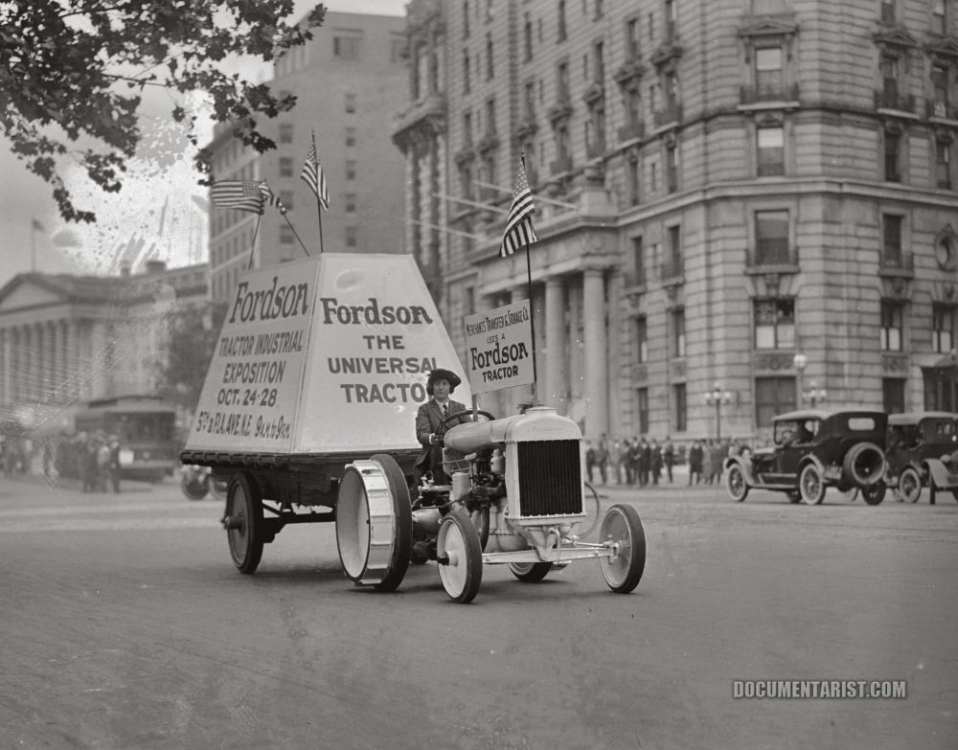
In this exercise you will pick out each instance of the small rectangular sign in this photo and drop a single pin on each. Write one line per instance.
(499, 348)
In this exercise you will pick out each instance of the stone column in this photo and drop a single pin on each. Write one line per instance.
(51, 368)
(596, 369)
(556, 371)
(15, 368)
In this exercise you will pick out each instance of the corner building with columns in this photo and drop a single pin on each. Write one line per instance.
(723, 191)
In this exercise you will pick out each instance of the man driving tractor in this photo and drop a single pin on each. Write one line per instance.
(431, 423)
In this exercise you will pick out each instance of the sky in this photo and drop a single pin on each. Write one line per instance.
(160, 213)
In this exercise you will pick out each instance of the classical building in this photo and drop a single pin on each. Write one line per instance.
(348, 81)
(724, 191)
(66, 338)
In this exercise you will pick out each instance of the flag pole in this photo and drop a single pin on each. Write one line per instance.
(286, 216)
(532, 311)
(249, 263)
(33, 248)
(319, 205)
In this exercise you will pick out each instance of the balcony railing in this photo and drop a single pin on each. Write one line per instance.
(896, 263)
(758, 94)
(631, 131)
(668, 114)
(941, 110)
(896, 101)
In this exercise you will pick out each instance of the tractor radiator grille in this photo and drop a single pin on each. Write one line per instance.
(550, 478)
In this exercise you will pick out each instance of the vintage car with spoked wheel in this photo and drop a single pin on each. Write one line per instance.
(813, 450)
(922, 452)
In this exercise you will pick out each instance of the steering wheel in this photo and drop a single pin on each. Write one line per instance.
(461, 417)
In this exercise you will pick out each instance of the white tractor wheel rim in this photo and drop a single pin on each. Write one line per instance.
(453, 545)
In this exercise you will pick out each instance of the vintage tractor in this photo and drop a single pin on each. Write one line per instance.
(515, 497)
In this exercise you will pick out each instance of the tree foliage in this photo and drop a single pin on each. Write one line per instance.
(193, 332)
(72, 75)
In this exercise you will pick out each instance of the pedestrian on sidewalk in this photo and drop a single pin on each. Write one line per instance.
(695, 463)
(668, 456)
(656, 451)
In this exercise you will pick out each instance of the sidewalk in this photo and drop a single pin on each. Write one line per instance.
(67, 483)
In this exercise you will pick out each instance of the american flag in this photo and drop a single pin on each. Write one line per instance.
(239, 194)
(314, 176)
(271, 198)
(519, 230)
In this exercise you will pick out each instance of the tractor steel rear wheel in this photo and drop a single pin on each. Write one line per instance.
(530, 572)
(812, 485)
(244, 523)
(402, 509)
(622, 528)
(460, 557)
(909, 485)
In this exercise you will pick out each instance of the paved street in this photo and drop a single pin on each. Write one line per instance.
(124, 625)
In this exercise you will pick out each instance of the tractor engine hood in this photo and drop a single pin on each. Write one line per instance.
(538, 423)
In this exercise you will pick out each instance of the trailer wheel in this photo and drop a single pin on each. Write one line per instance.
(244, 523)
(530, 572)
(459, 557)
(402, 507)
(909, 485)
(623, 527)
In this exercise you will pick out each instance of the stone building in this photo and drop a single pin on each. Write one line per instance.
(348, 81)
(67, 338)
(724, 190)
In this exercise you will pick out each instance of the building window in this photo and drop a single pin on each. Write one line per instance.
(632, 166)
(397, 48)
(632, 39)
(892, 157)
(490, 66)
(349, 203)
(598, 55)
(465, 180)
(285, 234)
(939, 86)
(350, 103)
(352, 236)
(286, 198)
(633, 117)
(489, 10)
(561, 14)
(674, 266)
(285, 166)
(892, 315)
(888, 66)
(641, 340)
(642, 396)
(768, 73)
(771, 238)
(893, 395)
(773, 396)
(467, 129)
(350, 169)
(489, 172)
(678, 332)
(465, 19)
(562, 80)
(286, 132)
(653, 177)
(670, 19)
(891, 240)
(466, 74)
(680, 402)
(771, 151)
(939, 21)
(527, 37)
(347, 47)
(490, 116)
(672, 166)
(529, 101)
(943, 326)
(350, 136)
(774, 324)
(943, 163)
(599, 10)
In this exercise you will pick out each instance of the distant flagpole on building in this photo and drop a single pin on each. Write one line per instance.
(35, 227)
(520, 232)
(314, 176)
(271, 199)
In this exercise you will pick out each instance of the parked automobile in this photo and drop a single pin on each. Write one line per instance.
(922, 452)
(814, 450)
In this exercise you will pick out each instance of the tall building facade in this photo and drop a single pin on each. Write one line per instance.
(742, 206)
(348, 80)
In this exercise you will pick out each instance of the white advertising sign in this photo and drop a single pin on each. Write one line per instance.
(250, 395)
(499, 348)
(326, 355)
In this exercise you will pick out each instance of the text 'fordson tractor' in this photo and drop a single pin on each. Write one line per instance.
(515, 498)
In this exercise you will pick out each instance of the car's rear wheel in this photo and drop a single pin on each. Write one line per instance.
(909, 485)
(811, 483)
(735, 483)
(874, 494)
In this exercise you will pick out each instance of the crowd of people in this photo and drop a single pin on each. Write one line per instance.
(93, 459)
(643, 462)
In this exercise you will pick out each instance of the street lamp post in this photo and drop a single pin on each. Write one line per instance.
(800, 362)
(716, 397)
